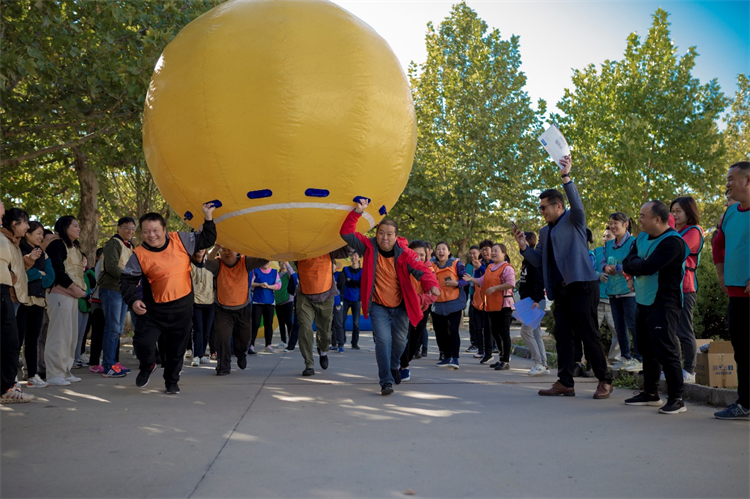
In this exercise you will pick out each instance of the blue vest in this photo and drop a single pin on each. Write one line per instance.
(617, 284)
(337, 298)
(646, 286)
(736, 228)
(598, 253)
(352, 294)
(262, 295)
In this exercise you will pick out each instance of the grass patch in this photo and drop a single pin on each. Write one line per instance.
(627, 380)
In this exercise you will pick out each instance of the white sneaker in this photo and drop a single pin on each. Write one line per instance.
(281, 345)
(205, 359)
(538, 370)
(188, 354)
(633, 366)
(196, 362)
(73, 379)
(269, 349)
(36, 382)
(15, 395)
(478, 355)
(58, 381)
(620, 364)
(85, 358)
(688, 379)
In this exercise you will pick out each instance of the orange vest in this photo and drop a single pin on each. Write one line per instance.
(478, 300)
(315, 274)
(494, 302)
(167, 271)
(446, 293)
(233, 284)
(417, 285)
(387, 288)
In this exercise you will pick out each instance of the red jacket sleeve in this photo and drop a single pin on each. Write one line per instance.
(718, 245)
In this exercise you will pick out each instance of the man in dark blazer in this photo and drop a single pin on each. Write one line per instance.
(570, 281)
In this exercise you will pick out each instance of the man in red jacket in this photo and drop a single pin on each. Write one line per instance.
(387, 294)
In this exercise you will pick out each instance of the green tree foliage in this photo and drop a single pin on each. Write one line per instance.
(476, 130)
(737, 133)
(74, 80)
(643, 127)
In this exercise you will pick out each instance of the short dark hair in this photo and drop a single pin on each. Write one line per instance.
(531, 239)
(388, 221)
(417, 244)
(14, 215)
(690, 207)
(47, 232)
(34, 225)
(554, 196)
(742, 165)
(473, 246)
(99, 252)
(659, 209)
(621, 217)
(485, 244)
(61, 227)
(125, 220)
(152, 217)
(428, 244)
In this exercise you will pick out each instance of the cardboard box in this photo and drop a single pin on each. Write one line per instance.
(717, 367)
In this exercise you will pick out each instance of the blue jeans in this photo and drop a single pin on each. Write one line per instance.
(115, 309)
(623, 313)
(389, 329)
(355, 307)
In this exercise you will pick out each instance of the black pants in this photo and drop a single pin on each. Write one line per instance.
(575, 316)
(8, 341)
(500, 326)
(414, 341)
(446, 333)
(294, 335)
(480, 326)
(233, 332)
(656, 334)
(356, 308)
(172, 331)
(264, 311)
(738, 317)
(203, 319)
(97, 336)
(29, 321)
(285, 314)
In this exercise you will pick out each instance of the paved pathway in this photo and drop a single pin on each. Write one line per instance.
(268, 432)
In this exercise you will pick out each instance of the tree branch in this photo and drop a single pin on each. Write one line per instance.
(51, 149)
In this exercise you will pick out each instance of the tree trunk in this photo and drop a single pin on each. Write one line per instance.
(88, 215)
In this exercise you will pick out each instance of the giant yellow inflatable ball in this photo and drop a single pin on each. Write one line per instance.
(284, 111)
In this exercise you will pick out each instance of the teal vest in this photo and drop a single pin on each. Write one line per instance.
(736, 228)
(647, 286)
(617, 284)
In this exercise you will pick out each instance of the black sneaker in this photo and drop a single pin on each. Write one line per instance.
(323, 361)
(242, 363)
(251, 350)
(308, 372)
(222, 373)
(355, 347)
(396, 376)
(418, 355)
(424, 353)
(387, 389)
(486, 359)
(502, 366)
(493, 366)
(578, 370)
(673, 406)
(441, 356)
(643, 398)
(173, 389)
(143, 376)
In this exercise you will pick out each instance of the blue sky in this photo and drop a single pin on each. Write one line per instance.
(578, 33)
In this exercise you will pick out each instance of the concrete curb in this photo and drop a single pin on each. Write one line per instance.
(717, 397)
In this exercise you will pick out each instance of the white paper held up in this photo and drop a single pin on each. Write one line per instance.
(555, 144)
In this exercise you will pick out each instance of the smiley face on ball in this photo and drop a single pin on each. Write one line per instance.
(283, 111)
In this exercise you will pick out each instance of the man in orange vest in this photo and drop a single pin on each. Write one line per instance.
(315, 302)
(162, 265)
(232, 320)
